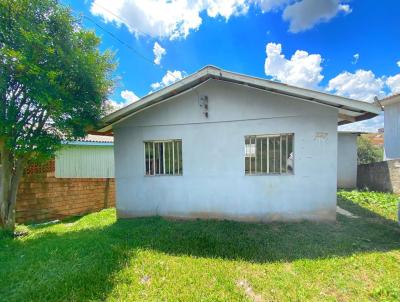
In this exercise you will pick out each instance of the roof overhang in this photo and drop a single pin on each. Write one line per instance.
(358, 133)
(349, 110)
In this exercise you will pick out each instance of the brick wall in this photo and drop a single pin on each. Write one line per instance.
(382, 176)
(42, 197)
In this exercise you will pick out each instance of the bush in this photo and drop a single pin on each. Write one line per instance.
(367, 152)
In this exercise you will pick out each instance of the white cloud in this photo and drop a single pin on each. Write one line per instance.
(362, 85)
(165, 19)
(110, 106)
(356, 57)
(170, 19)
(303, 15)
(226, 8)
(176, 19)
(169, 78)
(269, 5)
(393, 83)
(398, 63)
(129, 96)
(159, 52)
(303, 69)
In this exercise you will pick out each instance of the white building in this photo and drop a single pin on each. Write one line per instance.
(392, 126)
(347, 159)
(223, 145)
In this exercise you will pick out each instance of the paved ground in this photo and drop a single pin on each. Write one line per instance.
(345, 213)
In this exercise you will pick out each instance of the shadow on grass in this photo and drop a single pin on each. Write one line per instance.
(80, 264)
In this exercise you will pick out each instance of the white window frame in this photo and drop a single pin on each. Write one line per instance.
(268, 136)
(171, 159)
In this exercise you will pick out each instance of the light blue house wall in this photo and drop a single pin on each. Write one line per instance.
(347, 160)
(214, 184)
(392, 130)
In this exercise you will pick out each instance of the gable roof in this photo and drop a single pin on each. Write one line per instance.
(349, 110)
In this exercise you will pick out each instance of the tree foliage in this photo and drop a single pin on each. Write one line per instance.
(53, 84)
(367, 152)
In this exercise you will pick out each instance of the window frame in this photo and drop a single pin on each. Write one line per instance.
(268, 136)
(163, 141)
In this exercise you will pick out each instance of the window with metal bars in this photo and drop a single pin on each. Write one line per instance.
(163, 157)
(269, 154)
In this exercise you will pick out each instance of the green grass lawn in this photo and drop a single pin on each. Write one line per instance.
(96, 257)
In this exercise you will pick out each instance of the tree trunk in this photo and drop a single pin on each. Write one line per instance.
(10, 176)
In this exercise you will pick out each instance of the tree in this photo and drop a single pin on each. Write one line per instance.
(367, 152)
(53, 84)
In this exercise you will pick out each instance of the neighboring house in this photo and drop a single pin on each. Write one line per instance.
(347, 159)
(376, 139)
(79, 180)
(384, 176)
(392, 126)
(91, 157)
(218, 144)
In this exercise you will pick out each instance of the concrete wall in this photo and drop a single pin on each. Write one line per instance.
(85, 161)
(392, 131)
(382, 176)
(213, 184)
(347, 160)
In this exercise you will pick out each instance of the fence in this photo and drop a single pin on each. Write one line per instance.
(382, 176)
(42, 196)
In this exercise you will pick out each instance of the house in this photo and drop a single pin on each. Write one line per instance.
(223, 145)
(392, 126)
(89, 157)
(376, 139)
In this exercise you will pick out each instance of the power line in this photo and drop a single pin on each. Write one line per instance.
(126, 44)
(117, 16)
(120, 41)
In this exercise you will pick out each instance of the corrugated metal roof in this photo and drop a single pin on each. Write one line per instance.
(90, 138)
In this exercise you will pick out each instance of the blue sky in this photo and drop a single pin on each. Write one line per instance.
(350, 48)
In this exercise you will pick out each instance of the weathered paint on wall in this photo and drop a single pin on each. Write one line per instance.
(213, 184)
(392, 131)
(347, 160)
(80, 161)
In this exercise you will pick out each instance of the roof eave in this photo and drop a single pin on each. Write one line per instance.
(363, 110)
(365, 116)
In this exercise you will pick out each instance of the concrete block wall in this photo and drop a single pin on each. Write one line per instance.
(43, 197)
(382, 176)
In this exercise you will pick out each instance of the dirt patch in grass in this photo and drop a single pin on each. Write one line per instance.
(243, 284)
